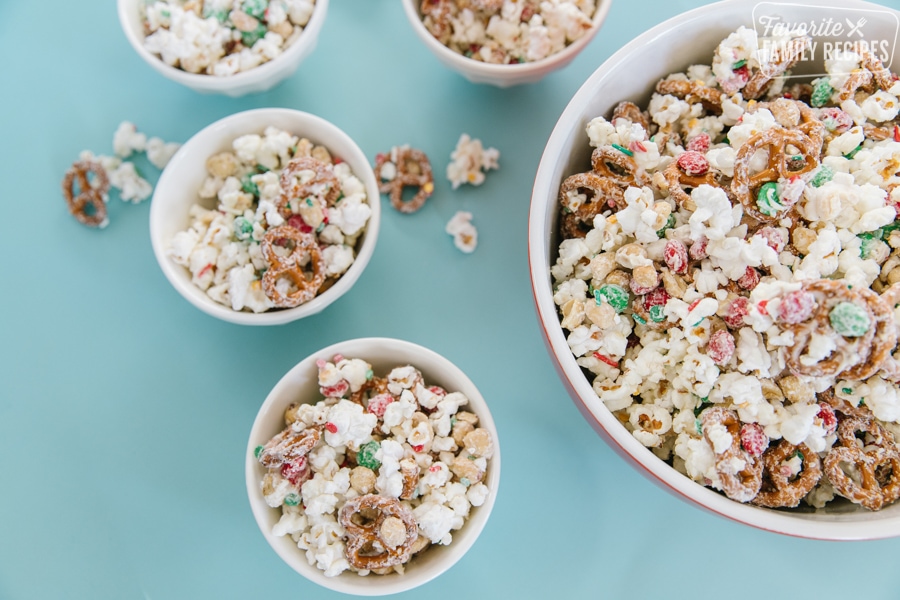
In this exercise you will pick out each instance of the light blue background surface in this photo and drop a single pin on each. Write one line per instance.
(125, 411)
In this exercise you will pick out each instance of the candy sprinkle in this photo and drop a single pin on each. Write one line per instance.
(257, 451)
(739, 64)
(292, 500)
(849, 319)
(823, 175)
(623, 150)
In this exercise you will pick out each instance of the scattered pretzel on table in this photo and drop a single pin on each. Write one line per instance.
(404, 167)
(85, 198)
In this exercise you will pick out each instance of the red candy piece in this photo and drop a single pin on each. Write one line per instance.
(337, 390)
(721, 347)
(297, 222)
(379, 403)
(699, 249)
(418, 447)
(331, 427)
(749, 280)
(657, 297)
(699, 143)
(835, 119)
(829, 419)
(692, 163)
(737, 310)
(796, 307)
(296, 472)
(753, 439)
(774, 238)
(640, 290)
(675, 255)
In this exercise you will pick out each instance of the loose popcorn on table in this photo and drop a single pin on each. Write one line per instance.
(470, 161)
(507, 31)
(87, 183)
(729, 275)
(377, 471)
(223, 37)
(465, 236)
(287, 222)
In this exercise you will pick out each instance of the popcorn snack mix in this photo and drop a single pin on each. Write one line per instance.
(729, 275)
(377, 470)
(223, 37)
(285, 227)
(507, 31)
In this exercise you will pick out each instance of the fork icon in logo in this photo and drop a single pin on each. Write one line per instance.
(856, 28)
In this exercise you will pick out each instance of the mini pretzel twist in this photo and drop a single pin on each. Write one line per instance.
(680, 182)
(289, 446)
(745, 186)
(618, 166)
(296, 185)
(784, 57)
(372, 387)
(692, 91)
(412, 169)
(303, 250)
(371, 523)
(601, 193)
(778, 490)
(630, 111)
(884, 340)
(871, 73)
(741, 484)
(849, 351)
(87, 203)
(875, 457)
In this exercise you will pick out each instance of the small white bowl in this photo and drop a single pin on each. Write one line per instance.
(179, 183)
(300, 384)
(502, 75)
(259, 79)
(630, 74)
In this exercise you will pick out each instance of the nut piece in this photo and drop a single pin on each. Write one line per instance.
(362, 480)
(222, 165)
(393, 532)
(479, 443)
(465, 468)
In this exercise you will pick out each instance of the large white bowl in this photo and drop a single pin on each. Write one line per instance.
(179, 183)
(300, 384)
(630, 74)
(259, 79)
(502, 75)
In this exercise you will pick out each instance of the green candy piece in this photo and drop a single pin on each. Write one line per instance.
(670, 223)
(849, 320)
(887, 230)
(292, 500)
(823, 175)
(257, 451)
(868, 244)
(255, 8)
(248, 186)
(366, 455)
(767, 199)
(852, 153)
(614, 294)
(821, 94)
(248, 38)
(739, 64)
(657, 313)
(243, 228)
